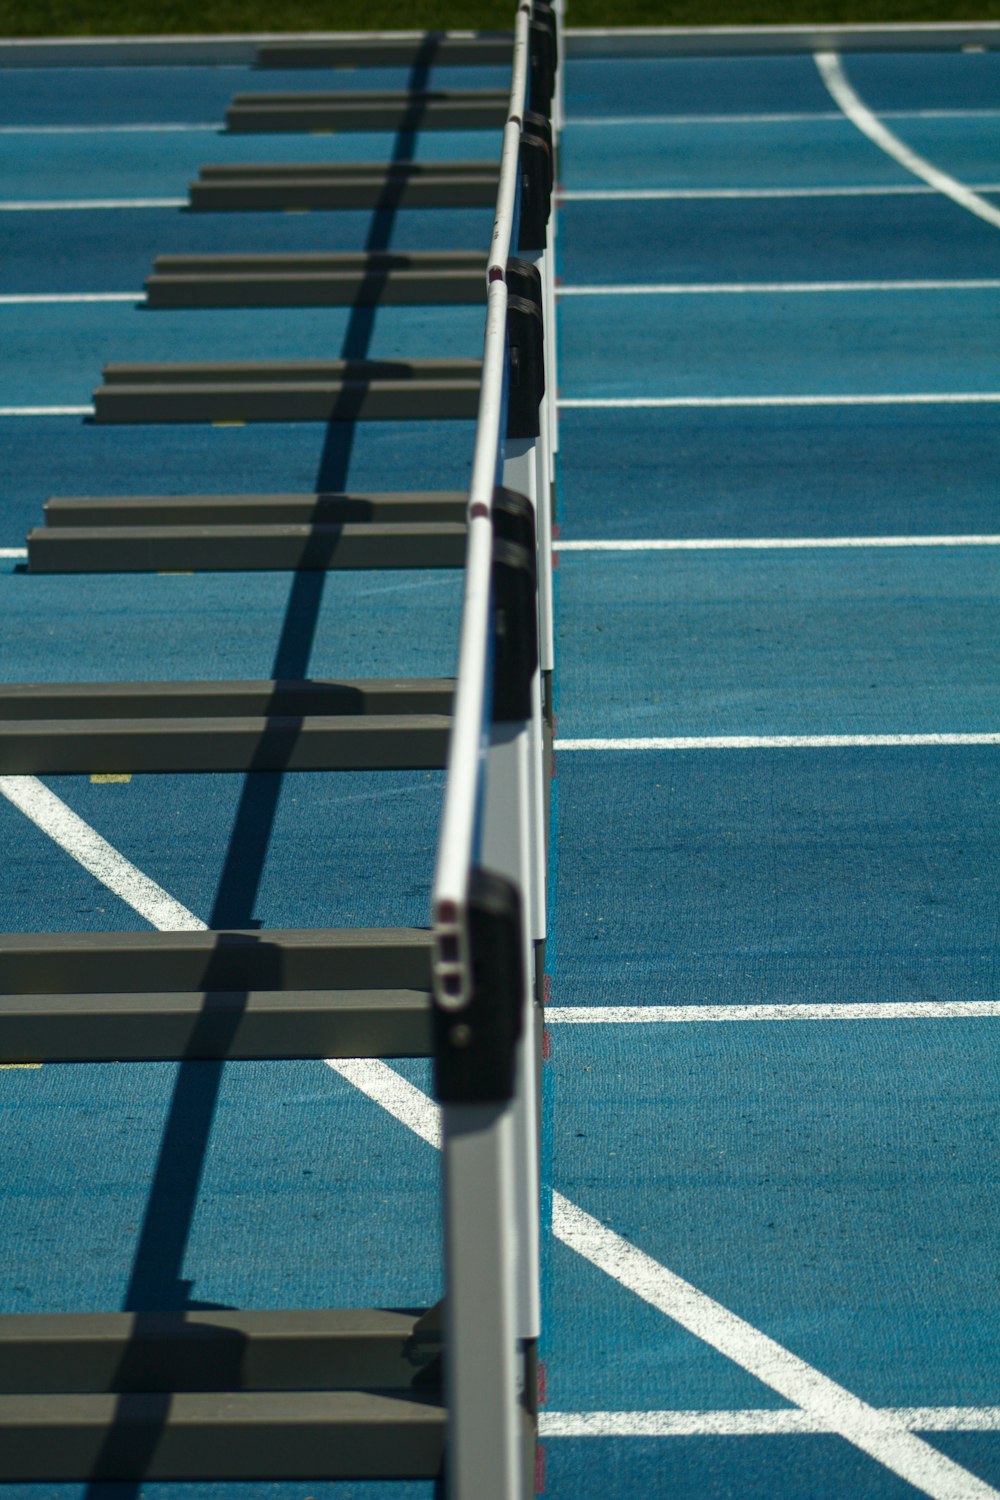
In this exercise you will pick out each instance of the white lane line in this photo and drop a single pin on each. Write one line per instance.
(763, 288)
(910, 398)
(82, 843)
(46, 411)
(641, 195)
(753, 1423)
(108, 129)
(884, 1010)
(804, 117)
(832, 74)
(775, 543)
(30, 299)
(876, 1432)
(52, 205)
(777, 742)
(13, 551)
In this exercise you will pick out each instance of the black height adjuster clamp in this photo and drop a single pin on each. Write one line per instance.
(525, 340)
(475, 1045)
(536, 191)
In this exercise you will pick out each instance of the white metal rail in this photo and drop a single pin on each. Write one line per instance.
(489, 888)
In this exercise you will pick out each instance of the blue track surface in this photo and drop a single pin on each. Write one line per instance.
(833, 1182)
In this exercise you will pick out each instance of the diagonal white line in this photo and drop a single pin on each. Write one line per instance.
(847, 1010)
(880, 1434)
(832, 74)
(877, 1433)
(82, 843)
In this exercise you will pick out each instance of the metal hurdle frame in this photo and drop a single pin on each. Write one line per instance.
(489, 888)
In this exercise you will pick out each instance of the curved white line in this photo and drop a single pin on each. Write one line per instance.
(880, 135)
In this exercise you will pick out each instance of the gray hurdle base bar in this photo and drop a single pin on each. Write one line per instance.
(454, 109)
(252, 1435)
(469, 49)
(240, 726)
(326, 185)
(192, 532)
(41, 963)
(97, 997)
(312, 390)
(166, 1026)
(193, 548)
(219, 1350)
(335, 280)
(321, 509)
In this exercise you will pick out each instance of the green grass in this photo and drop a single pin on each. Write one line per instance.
(20, 18)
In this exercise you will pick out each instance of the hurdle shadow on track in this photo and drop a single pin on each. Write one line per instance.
(155, 1282)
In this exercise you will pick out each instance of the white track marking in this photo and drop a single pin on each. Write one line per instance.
(53, 205)
(46, 411)
(29, 299)
(877, 1433)
(885, 1010)
(791, 118)
(385, 1087)
(640, 195)
(106, 129)
(82, 843)
(763, 288)
(912, 398)
(880, 135)
(881, 1435)
(776, 543)
(13, 551)
(753, 1423)
(778, 742)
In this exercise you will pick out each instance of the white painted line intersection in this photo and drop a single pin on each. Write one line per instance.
(888, 1441)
